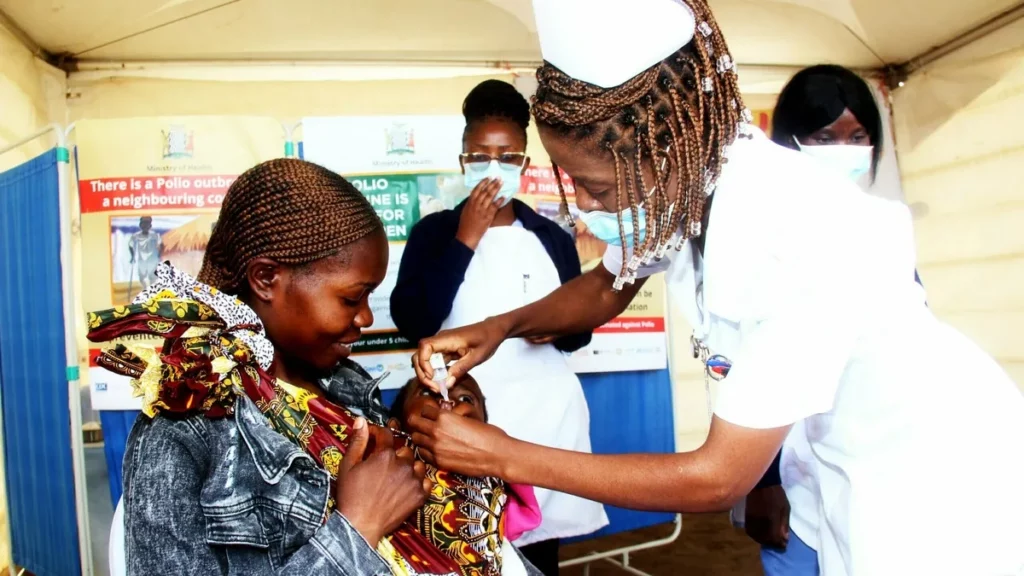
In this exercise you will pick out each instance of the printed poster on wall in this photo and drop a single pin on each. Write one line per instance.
(408, 167)
(150, 190)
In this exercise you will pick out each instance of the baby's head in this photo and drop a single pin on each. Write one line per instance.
(465, 394)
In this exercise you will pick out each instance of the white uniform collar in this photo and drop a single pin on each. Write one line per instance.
(729, 257)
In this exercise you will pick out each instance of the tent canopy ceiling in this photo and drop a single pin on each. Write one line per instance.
(856, 33)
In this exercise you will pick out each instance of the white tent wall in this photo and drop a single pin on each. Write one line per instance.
(124, 96)
(129, 97)
(961, 146)
(31, 96)
(289, 101)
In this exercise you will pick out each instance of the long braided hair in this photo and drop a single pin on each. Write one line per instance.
(291, 211)
(679, 116)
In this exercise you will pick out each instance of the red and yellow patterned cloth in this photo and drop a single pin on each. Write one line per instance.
(215, 351)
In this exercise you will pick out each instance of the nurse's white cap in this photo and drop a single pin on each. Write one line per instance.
(607, 42)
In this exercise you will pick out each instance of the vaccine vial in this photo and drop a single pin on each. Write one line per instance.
(441, 378)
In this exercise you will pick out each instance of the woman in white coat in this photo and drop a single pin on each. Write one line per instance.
(489, 255)
(796, 283)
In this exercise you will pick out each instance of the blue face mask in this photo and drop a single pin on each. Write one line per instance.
(509, 174)
(605, 225)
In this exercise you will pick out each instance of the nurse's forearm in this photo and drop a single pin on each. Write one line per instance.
(657, 482)
(578, 306)
(710, 479)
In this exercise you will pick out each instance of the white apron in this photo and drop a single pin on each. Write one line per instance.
(530, 391)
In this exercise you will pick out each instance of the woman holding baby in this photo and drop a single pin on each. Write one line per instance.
(262, 449)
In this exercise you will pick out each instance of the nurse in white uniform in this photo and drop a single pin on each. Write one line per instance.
(490, 255)
(790, 276)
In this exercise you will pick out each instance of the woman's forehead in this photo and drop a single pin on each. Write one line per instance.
(360, 264)
(496, 133)
(846, 121)
(579, 159)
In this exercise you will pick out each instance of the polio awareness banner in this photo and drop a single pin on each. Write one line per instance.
(150, 190)
(407, 167)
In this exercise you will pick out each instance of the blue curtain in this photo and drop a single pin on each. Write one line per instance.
(33, 381)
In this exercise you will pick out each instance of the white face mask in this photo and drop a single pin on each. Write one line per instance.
(852, 162)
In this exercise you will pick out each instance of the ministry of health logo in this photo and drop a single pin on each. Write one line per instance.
(400, 140)
(178, 142)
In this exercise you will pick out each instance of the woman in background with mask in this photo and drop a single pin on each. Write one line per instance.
(490, 255)
(829, 113)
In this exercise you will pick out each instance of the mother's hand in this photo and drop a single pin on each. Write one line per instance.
(378, 487)
(459, 444)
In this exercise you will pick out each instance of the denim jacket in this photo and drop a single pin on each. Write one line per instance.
(232, 496)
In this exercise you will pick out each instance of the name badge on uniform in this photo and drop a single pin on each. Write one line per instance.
(716, 367)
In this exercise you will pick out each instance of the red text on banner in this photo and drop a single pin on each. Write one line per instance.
(153, 192)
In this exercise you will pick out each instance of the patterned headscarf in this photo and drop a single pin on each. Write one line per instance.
(215, 351)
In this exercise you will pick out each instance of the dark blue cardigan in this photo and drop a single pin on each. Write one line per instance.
(434, 266)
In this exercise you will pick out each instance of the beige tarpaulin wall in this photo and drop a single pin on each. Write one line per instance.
(127, 97)
(31, 96)
(960, 128)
